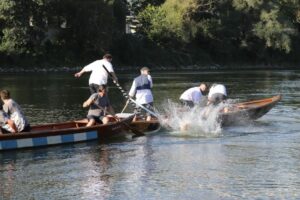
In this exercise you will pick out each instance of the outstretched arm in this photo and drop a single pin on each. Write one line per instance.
(87, 68)
(78, 74)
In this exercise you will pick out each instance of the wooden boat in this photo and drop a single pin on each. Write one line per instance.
(66, 132)
(141, 124)
(146, 126)
(245, 111)
(235, 113)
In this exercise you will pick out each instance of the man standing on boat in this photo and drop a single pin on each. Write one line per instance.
(99, 73)
(141, 89)
(99, 107)
(193, 95)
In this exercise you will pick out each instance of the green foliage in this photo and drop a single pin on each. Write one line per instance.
(168, 20)
(225, 27)
(246, 5)
(63, 29)
(272, 21)
(276, 33)
(13, 41)
(77, 31)
(136, 6)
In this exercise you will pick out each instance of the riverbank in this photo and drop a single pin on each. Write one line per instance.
(212, 67)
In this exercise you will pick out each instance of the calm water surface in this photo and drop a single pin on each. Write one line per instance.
(258, 160)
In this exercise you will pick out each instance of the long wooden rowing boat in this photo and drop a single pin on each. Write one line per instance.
(250, 110)
(235, 113)
(66, 132)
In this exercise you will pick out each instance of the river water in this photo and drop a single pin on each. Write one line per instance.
(258, 160)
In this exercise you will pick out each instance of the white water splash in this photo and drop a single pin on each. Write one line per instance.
(194, 122)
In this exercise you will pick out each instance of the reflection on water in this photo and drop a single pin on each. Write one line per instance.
(258, 160)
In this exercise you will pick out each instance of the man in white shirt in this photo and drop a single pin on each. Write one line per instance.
(193, 95)
(99, 75)
(141, 89)
(217, 93)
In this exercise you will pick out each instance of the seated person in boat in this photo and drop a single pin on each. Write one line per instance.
(14, 112)
(141, 89)
(99, 107)
(217, 94)
(7, 125)
(193, 95)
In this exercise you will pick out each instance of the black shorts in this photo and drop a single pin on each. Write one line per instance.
(140, 111)
(94, 88)
(97, 119)
(187, 103)
(217, 98)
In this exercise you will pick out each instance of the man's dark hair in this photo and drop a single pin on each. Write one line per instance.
(107, 56)
(101, 88)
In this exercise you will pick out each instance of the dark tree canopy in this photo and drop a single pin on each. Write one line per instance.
(169, 31)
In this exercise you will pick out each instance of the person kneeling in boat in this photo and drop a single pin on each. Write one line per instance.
(99, 106)
(14, 112)
(7, 125)
(193, 95)
(217, 94)
(141, 89)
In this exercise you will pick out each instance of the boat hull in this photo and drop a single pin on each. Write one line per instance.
(237, 113)
(141, 124)
(248, 111)
(60, 133)
(146, 126)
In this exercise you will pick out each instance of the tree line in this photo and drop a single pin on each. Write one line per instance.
(169, 32)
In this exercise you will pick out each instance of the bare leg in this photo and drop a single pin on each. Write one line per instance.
(148, 118)
(90, 123)
(135, 118)
(105, 120)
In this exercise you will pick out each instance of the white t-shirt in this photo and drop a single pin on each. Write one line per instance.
(218, 88)
(193, 94)
(99, 75)
(143, 96)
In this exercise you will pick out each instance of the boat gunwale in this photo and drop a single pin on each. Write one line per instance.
(264, 103)
(63, 131)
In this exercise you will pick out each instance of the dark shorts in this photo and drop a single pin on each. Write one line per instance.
(97, 119)
(217, 98)
(187, 103)
(94, 88)
(140, 111)
(26, 128)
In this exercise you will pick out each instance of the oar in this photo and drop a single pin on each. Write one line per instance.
(125, 107)
(126, 95)
(135, 131)
(143, 107)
